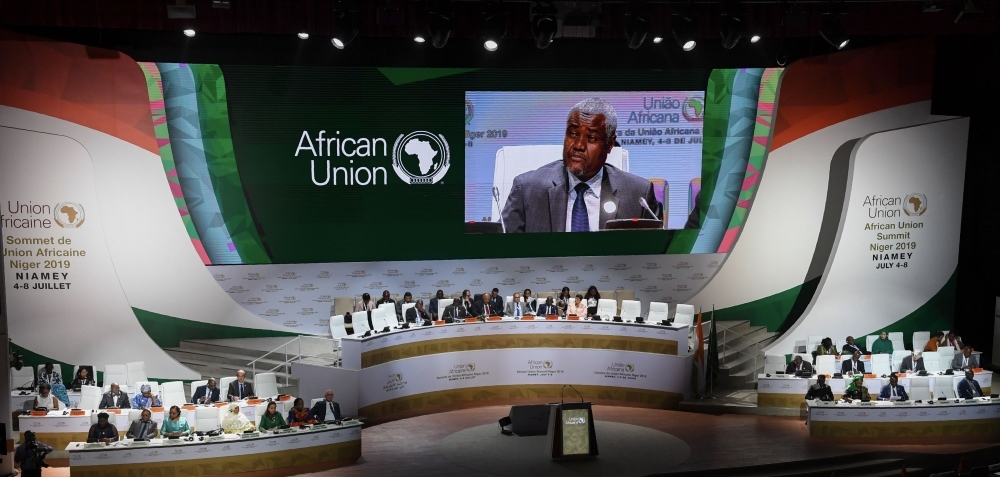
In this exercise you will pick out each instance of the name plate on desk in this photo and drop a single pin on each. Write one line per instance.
(250, 435)
(94, 445)
(138, 443)
(216, 439)
(902, 403)
(866, 404)
(286, 431)
(318, 427)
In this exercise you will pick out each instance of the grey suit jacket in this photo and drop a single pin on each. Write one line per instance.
(957, 362)
(538, 199)
(107, 400)
(133, 429)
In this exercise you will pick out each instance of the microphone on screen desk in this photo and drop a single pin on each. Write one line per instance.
(496, 198)
(645, 205)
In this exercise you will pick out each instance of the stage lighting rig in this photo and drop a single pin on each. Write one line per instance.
(543, 24)
(733, 25)
(636, 25)
(347, 23)
(684, 27)
(494, 24)
(438, 23)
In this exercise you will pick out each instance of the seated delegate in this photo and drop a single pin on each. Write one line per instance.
(850, 347)
(515, 308)
(965, 360)
(825, 348)
(892, 391)
(45, 398)
(882, 345)
(235, 422)
(854, 365)
(207, 394)
(577, 307)
(103, 431)
(271, 418)
(913, 363)
(299, 414)
(857, 390)
(83, 378)
(932, 344)
(145, 399)
(820, 390)
(115, 398)
(327, 409)
(968, 388)
(175, 425)
(142, 428)
(798, 365)
(548, 308)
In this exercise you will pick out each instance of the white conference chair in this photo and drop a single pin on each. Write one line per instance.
(658, 311)
(631, 309)
(869, 341)
(954, 383)
(25, 377)
(607, 308)
(313, 402)
(826, 364)
(881, 364)
(812, 342)
(774, 363)
(338, 330)
(932, 361)
(947, 354)
(224, 387)
(115, 373)
(90, 397)
(920, 389)
(173, 394)
(136, 372)
(684, 315)
(406, 306)
(194, 387)
(897, 340)
(441, 303)
(266, 385)
(512, 161)
(206, 419)
(360, 321)
(944, 387)
(920, 339)
(378, 319)
(154, 387)
(133, 414)
(897, 357)
(389, 318)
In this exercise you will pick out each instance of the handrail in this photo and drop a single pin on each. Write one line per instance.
(287, 362)
(276, 349)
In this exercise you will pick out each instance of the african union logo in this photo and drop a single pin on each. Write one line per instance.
(548, 364)
(69, 215)
(469, 111)
(471, 366)
(629, 368)
(420, 157)
(693, 109)
(915, 204)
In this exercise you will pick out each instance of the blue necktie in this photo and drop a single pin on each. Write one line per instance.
(580, 221)
(142, 431)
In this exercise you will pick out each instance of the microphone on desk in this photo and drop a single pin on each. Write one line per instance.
(645, 205)
(496, 198)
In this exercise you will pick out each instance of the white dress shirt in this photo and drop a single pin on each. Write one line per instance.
(592, 198)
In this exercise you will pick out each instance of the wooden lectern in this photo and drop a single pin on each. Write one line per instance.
(571, 432)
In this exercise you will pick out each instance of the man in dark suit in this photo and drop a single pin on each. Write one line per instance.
(914, 363)
(851, 347)
(854, 365)
(455, 311)
(115, 398)
(548, 308)
(892, 391)
(142, 428)
(407, 298)
(820, 390)
(417, 314)
(327, 409)
(496, 301)
(965, 359)
(968, 388)
(206, 394)
(482, 306)
(239, 389)
(580, 193)
(798, 365)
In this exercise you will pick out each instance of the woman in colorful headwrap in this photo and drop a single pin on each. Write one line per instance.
(857, 390)
(882, 345)
(235, 422)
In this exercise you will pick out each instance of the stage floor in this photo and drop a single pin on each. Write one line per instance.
(411, 447)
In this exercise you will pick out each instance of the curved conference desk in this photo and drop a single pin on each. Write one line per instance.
(786, 391)
(296, 450)
(432, 368)
(951, 421)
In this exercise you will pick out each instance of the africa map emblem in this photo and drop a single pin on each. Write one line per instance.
(69, 215)
(915, 204)
(420, 157)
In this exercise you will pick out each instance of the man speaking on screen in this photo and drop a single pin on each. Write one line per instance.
(580, 193)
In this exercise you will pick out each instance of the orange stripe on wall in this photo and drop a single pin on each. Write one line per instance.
(819, 92)
(100, 89)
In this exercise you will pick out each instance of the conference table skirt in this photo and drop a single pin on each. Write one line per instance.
(294, 452)
(790, 392)
(885, 422)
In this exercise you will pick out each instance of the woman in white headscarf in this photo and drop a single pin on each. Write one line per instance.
(235, 422)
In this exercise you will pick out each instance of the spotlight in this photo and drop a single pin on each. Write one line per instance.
(494, 25)
(731, 30)
(657, 39)
(636, 28)
(303, 36)
(439, 23)
(347, 24)
(833, 32)
(16, 361)
(754, 39)
(684, 28)
(189, 33)
(543, 24)
(419, 39)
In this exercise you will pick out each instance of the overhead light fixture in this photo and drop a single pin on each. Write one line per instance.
(494, 25)
(733, 25)
(657, 39)
(636, 26)
(754, 38)
(543, 24)
(419, 39)
(684, 28)
(189, 33)
(346, 25)
(833, 32)
(303, 35)
(969, 13)
(439, 23)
